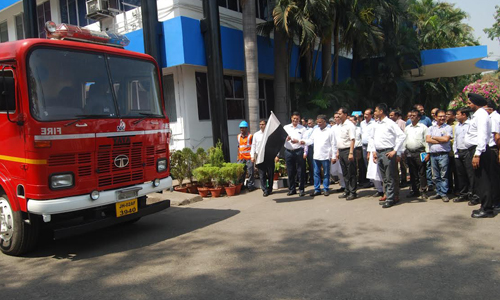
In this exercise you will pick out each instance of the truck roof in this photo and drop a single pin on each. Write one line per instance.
(16, 49)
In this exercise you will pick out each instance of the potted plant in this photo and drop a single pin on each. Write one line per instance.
(228, 173)
(217, 180)
(178, 169)
(191, 163)
(202, 174)
(279, 169)
(239, 170)
(216, 155)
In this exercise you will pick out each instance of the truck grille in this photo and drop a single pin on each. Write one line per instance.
(110, 174)
(83, 162)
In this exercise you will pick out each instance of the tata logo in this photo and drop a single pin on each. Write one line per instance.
(121, 140)
(121, 127)
(121, 161)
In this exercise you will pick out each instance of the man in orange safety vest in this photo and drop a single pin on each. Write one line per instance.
(244, 156)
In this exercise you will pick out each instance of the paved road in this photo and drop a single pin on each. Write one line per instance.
(279, 247)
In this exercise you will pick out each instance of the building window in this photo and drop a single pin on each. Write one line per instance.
(202, 96)
(235, 97)
(263, 8)
(19, 19)
(74, 12)
(169, 96)
(4, 33)
(124, 5)
(43, 15)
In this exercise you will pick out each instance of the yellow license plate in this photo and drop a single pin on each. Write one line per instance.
(126, 207)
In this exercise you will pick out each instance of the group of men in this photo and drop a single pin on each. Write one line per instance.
(453, 153)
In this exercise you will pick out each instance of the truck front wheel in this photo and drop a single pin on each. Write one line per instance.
(17, 235)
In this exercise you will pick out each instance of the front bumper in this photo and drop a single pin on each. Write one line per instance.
(76, 203)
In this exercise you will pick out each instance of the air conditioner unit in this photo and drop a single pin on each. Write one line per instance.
(99, 9)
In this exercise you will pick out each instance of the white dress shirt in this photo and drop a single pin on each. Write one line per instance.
(415, 137)
(495, 127)
(296, 134)
(325, 142)
(256, 140)
(479, 131)
(386, 134)
(459, 138)
(358, 143)
(346, 133)
(365, 126)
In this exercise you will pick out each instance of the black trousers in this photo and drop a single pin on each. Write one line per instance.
(295, 168)
(418, 169)
(452, 176)
(485, 179)
(464, 183)
(266, 178)
(349, 171)
(358, 152)
(310, 162)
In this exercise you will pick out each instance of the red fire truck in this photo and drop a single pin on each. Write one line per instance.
(84, 135)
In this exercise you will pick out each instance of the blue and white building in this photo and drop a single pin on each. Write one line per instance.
(184, 66)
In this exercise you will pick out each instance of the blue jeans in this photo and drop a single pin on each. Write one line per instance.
(317, 175)
(440, 172)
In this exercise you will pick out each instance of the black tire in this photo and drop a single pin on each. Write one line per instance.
(22, 236)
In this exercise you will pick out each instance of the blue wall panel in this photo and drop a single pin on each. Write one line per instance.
(184, 45)
(7, 3)
(438, 56)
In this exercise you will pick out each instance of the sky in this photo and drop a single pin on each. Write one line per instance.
(481, 16)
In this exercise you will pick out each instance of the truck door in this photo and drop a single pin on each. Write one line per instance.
(12, 152)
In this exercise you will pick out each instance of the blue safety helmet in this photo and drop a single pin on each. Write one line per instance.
(243, 124)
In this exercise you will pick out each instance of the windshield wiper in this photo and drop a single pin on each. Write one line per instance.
(80, 117)
(146, 116)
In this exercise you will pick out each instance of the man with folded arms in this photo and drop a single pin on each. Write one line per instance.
(415, 145)
(346, 138)
(325, 151)
(476, 140)
(386, 142)
(438, 138)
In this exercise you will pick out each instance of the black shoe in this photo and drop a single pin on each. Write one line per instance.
(445, 199)
(381, 202)
(388, 204)
(482, 214)
(301, 194)
(351, 197)
(461, 198)
(378, 194)
(316, 193)
(412, 194)
(341, 190)
(435, 197)
(326, 193)
(265, 194)
(251, 188)
(473, 202)
(291, 193)
(424, 196)
(344, 195)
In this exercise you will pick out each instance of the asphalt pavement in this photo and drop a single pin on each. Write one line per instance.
(277, 247)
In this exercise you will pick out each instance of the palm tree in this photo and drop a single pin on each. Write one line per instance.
(251, 62)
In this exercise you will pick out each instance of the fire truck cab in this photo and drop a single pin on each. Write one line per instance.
(84, 136)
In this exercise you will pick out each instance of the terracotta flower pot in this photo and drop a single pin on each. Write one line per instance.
(203, 191)
(238, 188)
(180, 189)
(230, 190)
(276, 176)
(215, 192)
(193, 189)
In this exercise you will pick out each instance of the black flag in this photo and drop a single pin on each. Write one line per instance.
(272, 141)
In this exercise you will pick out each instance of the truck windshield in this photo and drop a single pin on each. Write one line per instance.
(69, 84)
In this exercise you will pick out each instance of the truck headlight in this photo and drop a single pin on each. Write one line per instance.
(161, 165)
(61, 181)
